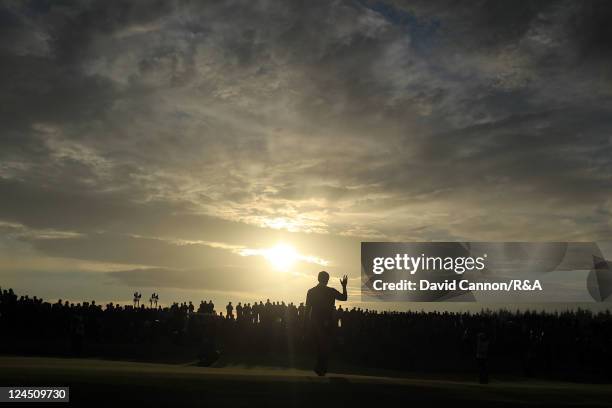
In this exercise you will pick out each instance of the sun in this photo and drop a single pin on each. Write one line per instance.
(281, 256)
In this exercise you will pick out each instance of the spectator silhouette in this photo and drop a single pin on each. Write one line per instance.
(137, 297)
(320, 302)
(230, 311)
(153, 300)
(239, 311)
(569, 344)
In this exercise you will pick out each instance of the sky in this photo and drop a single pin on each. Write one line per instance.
(181, 146)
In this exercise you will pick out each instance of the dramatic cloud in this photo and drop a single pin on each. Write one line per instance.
(129, 127)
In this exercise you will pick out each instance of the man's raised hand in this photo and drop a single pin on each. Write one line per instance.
(344, 281)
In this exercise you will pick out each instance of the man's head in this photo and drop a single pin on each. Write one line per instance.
(323, 278)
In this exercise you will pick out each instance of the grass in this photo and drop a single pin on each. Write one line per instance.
(97, 381)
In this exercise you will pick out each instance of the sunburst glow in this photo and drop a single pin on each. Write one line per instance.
(282, 256)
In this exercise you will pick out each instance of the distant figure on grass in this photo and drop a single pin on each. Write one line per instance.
(320, 302)
(482, 356)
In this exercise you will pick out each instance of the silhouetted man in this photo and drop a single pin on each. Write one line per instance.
(320, 302)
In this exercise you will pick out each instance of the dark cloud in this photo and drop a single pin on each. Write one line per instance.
(138, 123)
(120, 249)
(234, 279)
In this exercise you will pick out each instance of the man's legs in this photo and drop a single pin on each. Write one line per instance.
(323, 346)
(483, 374)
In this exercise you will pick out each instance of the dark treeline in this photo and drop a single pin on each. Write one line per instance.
(573, 345)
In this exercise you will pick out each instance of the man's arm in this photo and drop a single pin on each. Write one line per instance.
(343, 295)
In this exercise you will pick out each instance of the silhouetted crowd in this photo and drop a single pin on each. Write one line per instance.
(574, 345)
